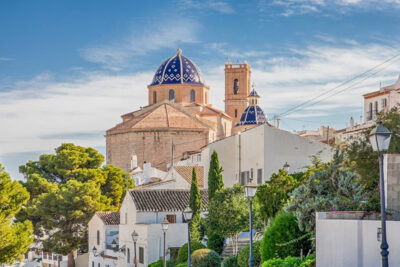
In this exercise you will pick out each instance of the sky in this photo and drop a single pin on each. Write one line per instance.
(69, 69)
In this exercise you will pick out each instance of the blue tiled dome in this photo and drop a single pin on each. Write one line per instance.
(252, 115)
(178, 69)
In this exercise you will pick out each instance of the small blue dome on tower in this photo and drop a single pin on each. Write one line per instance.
(178, 69)
(253, 114)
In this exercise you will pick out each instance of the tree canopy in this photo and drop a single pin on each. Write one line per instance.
(228, 212)
(331, 187)
(66, 189)
(362, 160)
(15, 237)
(272, 196)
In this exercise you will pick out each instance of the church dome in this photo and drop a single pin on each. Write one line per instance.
(178, 69)
(252, 115)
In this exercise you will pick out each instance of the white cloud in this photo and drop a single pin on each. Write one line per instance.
(296, 7)
(39, 115)
(6, 59)
(232, 54)
(287, 81)
(165, 33)
(219, 6)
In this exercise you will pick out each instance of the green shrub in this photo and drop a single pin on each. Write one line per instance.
(291, 262)
(283, 238)
(205, 258)
(243, 256)
(159, 263)
(183, 251)
(230, 262)
(181, 265)
(308, 261)
(277, 262)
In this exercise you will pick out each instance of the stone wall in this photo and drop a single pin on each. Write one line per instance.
(154, 146)
(392, 185)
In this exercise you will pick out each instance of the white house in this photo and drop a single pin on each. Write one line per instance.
(177, 177)
(142, 211)
(261, 151)
(383, 100)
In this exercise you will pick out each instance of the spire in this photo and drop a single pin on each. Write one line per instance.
(179, 51)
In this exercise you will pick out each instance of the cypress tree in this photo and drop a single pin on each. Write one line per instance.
(195, 205)
(215, 241)
(215, 182)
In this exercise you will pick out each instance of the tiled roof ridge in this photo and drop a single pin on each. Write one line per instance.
(109, 217)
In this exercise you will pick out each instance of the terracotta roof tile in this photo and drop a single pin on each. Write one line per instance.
(164, 199)
(186, 173)
(108, 217)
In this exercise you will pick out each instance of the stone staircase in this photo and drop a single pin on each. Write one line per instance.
(228, 248)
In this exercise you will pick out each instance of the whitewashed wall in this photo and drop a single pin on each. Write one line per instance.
(265, 148)
(354, 242)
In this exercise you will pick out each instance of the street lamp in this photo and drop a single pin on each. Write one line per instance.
(188, 213)
(114, 245)
(286, 167)
(135, 237)
(251, 189)
(164, 226)
(380, 140)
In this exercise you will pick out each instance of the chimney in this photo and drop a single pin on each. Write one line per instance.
(351, 122)
(133, 161)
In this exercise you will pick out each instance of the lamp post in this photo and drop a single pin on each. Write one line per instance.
(94, 250)
(135, 237)
(380, 140)
(188, 213)
(286, 167)
(164, 226)
(251, 189)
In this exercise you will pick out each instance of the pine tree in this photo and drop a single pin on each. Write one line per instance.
(215, 241)
(195, 205)
(15, 237)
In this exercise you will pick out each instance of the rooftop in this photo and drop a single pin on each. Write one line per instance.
(156, 200)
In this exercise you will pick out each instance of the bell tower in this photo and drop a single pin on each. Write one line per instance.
(237, 89)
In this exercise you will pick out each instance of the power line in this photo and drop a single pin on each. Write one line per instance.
(338, 86)
(351, 86)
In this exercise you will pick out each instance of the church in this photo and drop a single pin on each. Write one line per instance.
(178, 120)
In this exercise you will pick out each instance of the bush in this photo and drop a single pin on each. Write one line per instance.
(277, 262)
(276, 241)
(159, 263)
(308, 261)
(230, 262)
(291, 262)
(215, 242)
(205, 258)
(243, 256)
(183, 251)
(181, 265)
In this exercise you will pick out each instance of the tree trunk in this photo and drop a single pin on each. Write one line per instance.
(71, 258)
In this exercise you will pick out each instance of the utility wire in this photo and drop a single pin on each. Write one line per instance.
(338, 86)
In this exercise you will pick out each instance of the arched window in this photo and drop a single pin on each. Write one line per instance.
(128, 258)
(171, 94)
(154, 97)
(192, 96)
(235, 113)
(235, 86)
(98, 237)
(376, 106)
